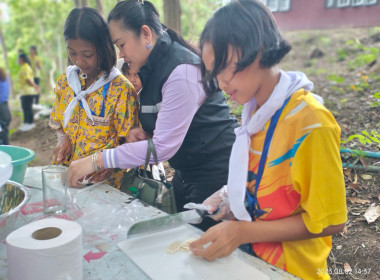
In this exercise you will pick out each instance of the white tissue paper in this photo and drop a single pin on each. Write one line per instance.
(45, 250)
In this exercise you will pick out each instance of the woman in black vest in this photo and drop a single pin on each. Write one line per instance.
(193, 132)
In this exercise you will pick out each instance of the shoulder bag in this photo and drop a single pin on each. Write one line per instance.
(139, 183)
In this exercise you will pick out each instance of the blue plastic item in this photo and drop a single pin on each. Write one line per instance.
(20, 159)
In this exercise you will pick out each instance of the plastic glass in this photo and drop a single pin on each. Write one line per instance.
(54, 184)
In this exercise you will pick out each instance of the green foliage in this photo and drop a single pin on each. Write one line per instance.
(365, 138)
(362, 86)
(335, 79)
(366, 56)
(194, 17)
(325, 41)
(341, 54)
(376, 103)
(238, 111)
(40, 23)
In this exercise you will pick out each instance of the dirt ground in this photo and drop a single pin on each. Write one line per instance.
(356, 252)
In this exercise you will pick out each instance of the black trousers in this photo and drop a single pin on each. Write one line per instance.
(37, 96)
(5, 119)
(26, 105)
(197, 193)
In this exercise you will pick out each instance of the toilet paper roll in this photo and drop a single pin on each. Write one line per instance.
(48, 249)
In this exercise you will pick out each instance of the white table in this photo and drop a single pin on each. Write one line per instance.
(102, 258)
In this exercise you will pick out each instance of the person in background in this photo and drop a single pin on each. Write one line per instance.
(132, 77)
(285, 187)
(27, 91)
(5, 115)
(136, 82)
(94, 105)
(36, 67)
(194, 133)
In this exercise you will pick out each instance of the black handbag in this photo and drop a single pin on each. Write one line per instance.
(139, 183)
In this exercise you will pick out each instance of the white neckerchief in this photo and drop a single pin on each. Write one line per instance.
(75, 85)
(289, 83)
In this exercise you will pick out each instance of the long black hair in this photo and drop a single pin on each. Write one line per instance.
(88, 24)
(250, 28)
(134, 14)
(24, 58)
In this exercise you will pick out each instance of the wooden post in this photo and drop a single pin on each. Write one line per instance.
(172, 14)
(99, 6)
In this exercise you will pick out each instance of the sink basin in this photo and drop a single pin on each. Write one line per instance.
(13, 196)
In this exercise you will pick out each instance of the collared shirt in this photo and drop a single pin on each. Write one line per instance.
(25, 74)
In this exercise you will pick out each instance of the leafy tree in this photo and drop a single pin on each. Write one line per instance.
(40, 23)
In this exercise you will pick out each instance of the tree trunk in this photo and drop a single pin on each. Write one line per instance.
(99, 6)
(77, 4)
(85, 3)
(6, 59)
(172, 14)
(81, 3)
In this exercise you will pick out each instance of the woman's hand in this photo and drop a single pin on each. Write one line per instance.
(37, 88)
(222, 238)
(137, 134)
(63, 149)
(101, 175)
(78, 169)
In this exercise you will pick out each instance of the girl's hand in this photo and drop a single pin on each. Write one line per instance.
(222, 240)
(63, 149)
(78, 169)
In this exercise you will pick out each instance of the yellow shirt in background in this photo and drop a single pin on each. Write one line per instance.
(33, 62)
(25, 74)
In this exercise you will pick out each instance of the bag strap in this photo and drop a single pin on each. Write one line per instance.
(151, 150)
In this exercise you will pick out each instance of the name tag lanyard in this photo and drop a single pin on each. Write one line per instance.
(254, 206)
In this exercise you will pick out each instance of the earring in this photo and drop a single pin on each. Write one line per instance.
(148, 46)
(83, 76)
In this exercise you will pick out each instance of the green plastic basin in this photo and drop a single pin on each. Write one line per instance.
(20, 159)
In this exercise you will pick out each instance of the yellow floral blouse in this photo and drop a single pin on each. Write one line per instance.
(120, 116)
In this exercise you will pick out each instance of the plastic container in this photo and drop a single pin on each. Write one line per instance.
(20, 159)
(5, 167)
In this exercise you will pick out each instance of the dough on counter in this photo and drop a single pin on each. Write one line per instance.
(178, 245)
(185, 245)
(174, 247)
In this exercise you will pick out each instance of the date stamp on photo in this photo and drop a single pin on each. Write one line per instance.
(341, 271)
